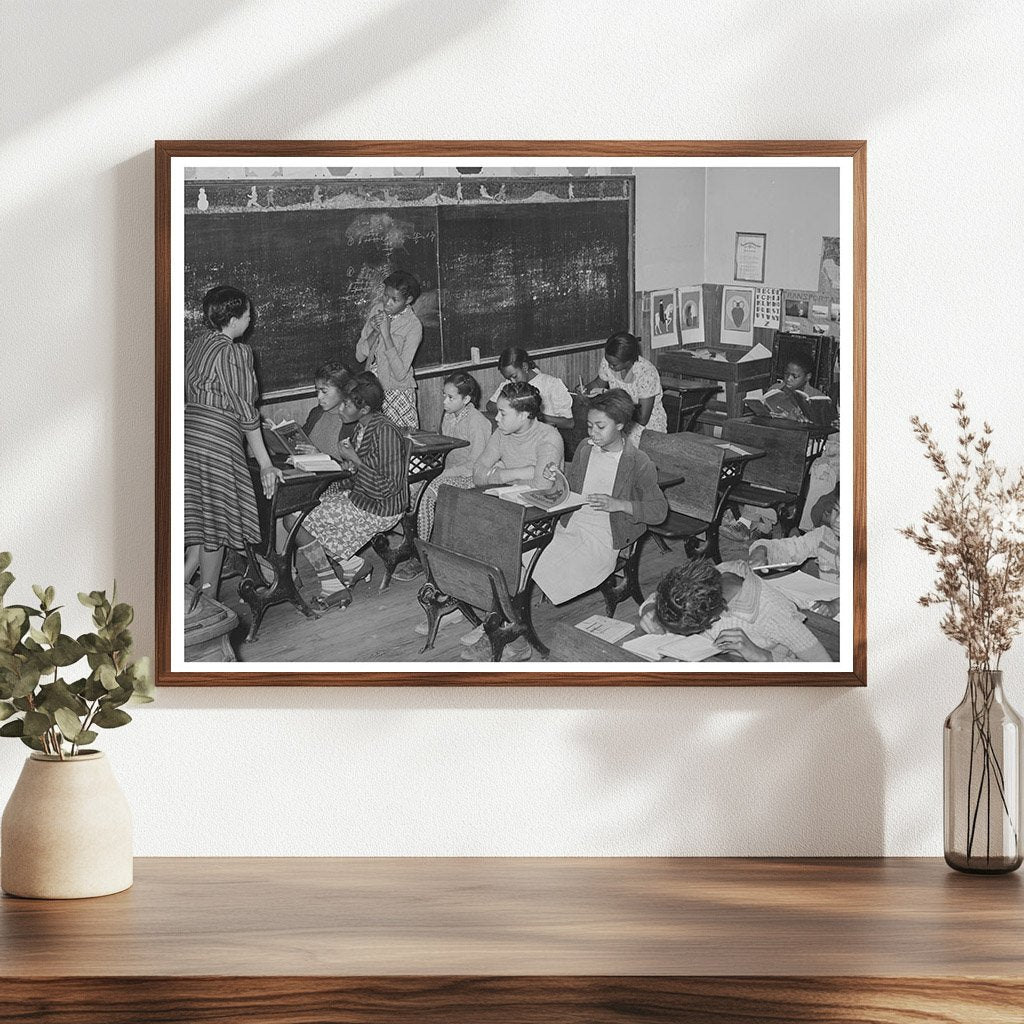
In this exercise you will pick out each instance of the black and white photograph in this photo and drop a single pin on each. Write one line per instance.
(437, 415)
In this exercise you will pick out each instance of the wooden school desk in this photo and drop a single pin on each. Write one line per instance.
(300, 495)
(295, 495)
(427, 453)
(507, 940)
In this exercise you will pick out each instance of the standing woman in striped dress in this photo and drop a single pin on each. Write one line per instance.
(220, 415)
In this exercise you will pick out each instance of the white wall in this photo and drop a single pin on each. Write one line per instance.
(87, 87)
(793, 209)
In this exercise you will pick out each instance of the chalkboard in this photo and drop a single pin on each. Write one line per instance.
(536, 262)
(535, 275)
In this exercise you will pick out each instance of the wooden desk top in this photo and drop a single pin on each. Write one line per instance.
(500, 941)
(515, 916)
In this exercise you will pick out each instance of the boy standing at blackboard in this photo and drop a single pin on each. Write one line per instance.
(388, 344)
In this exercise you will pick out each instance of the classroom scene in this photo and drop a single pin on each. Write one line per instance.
(486, 414)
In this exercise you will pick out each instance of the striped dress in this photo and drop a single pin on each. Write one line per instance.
(346, 520)
(220, 405)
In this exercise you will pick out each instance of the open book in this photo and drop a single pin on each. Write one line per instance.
(285, 438)
(656, 646)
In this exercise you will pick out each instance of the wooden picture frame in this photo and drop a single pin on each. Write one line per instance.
(595, 166)
(748, 263)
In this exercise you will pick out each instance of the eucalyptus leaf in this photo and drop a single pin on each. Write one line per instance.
(69, 724)
(89, 600)
(31, 741)
(27, 682)
(36, 723)
(59, 695)
(51, 627)
(94, 689)
(66, 650)
(122, 615)
(6, 710)
(50, 595)
(13, 728)
(107, 676)
(6, 579)
(39, 636)
(86, 736)
(111, 718)
(5, 560)
(142, 678)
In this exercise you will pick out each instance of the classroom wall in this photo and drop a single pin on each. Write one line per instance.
(443, 770)
(793, 210)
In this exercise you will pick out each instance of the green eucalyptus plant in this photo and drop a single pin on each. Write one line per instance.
(46, 712)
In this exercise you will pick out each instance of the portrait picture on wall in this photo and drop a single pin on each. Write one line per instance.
(689, 309)
(664, 319)
(426, 417)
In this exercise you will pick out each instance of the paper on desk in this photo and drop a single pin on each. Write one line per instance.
(733, 448)
(757, 352)
(514, 492)
(647, 646)
(604, 628)
(803, 589)
(654, 647)
(509, 491)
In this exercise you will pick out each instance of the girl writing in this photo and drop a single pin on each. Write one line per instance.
(515, 365)
(623, 367)
(522, 447)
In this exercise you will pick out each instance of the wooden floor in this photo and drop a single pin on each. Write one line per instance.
(379, 627)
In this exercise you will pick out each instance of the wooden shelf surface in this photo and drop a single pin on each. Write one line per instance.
(276, 939)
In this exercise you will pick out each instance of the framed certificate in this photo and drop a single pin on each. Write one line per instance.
(749, 265)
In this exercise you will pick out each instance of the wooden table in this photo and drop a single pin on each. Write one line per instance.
(503, 941)
(738, 377)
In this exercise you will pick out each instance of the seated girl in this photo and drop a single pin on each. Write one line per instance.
(746, 620)
(324, 425)
(820, 543)
(522, 447)
(347, 519)
(515, 365)
(623, 367)
(620, 484)
(519, 451)
(462, 419)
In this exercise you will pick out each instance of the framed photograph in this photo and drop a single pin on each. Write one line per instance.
(749, 262)
(664, 319)
(408, 431)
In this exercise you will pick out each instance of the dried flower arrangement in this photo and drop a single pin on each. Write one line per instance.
(975, 529)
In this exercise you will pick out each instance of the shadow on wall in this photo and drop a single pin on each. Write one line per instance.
(738, 772)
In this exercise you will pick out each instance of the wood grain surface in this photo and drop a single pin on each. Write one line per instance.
(498, 939)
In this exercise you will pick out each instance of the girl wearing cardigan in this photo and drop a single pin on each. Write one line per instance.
(620, 484)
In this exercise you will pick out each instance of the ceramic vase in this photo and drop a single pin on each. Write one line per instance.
(66, 831)
(981, 779)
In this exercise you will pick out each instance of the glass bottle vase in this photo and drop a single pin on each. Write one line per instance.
(981, 747)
